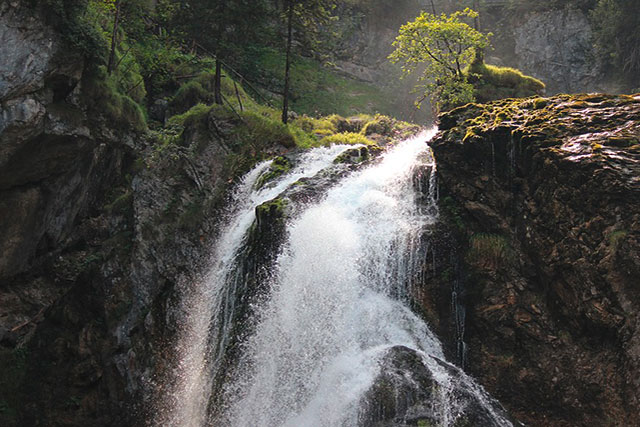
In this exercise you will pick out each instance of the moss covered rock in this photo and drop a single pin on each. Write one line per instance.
(543, 195)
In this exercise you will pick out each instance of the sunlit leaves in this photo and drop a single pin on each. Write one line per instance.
(439, 47)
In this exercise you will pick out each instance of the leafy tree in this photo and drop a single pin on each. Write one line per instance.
(440, 48)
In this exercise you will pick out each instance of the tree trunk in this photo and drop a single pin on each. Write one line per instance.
(476, 21)
(287, 69)
(217, 83)
(114, 39)
(479, 58)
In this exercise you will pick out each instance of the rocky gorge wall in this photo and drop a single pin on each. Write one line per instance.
(541, 198)
(553, 45)
(102, 226)
(100, 223)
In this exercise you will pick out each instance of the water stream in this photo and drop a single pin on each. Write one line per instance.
(338, 305)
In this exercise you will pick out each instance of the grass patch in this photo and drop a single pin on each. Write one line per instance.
(488, 251)
(381, 125)
(191, 117)
(318, 90)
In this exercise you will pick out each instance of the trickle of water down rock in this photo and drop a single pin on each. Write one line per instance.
(333, 341)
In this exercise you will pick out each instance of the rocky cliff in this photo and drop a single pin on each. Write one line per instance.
(100, 223)
(541, 198)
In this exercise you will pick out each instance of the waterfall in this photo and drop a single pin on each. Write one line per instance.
(334, 332)
(206, 303)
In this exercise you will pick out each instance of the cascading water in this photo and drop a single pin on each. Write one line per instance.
(335, 313)
(208, 311)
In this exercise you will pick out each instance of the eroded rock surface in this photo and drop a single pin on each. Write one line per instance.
(543, 196)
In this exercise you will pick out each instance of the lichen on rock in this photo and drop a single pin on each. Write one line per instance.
(541, 195)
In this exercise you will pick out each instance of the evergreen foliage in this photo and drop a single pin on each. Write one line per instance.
(617, 36)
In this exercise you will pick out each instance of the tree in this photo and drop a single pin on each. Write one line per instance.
(224, 28)
(617, 37)
(307, 16)
(440, 47)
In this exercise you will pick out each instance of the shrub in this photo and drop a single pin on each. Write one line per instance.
(190, 117)
(189, 95)
(264, 129)
(103, 98)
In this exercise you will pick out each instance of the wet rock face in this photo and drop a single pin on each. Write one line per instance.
(556, 46)
(405, 393)
(544, 198)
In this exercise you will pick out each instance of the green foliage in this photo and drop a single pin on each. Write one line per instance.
(279, 166)
(617, 35)
(380, 125)
(191, 117)
(190, 94)
(349, 138)
(266, 129)
(274, 206)
(439, 48)
(316, 89)
(69, 17)
(103, 98)
(492, 83)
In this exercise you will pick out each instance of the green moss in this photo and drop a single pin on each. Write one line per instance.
(191, 117)
(357, 155)
(492, 83)
(190, 94)
(274, 207)
(103, 98)
(279, 166)
(348, 138)
(539, 103)
(380, 125)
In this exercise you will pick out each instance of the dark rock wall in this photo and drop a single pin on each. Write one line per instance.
(101, 229)
(541, 198)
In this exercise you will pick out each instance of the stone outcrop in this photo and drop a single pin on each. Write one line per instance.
(100, 225)
(556, 47)
(541, 198)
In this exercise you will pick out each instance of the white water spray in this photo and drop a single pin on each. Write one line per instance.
(337, 304)
(187, 400)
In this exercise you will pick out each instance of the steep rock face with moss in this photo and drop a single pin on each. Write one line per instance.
(100, 223)
(541, 198)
